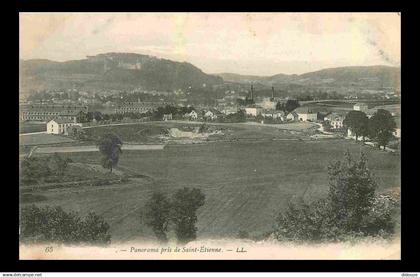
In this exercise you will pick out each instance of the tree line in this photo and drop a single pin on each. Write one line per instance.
(379, 128)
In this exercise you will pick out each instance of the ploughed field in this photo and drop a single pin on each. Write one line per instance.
(245, 183)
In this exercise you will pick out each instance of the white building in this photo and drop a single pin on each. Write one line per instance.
(210, 115)
(306, 114)
(293, 116)
(273, 114)
(397, 132)
(253, 111)
(335, 120)
(230, 110)
(192, 115)
(167, 117)
(360, 107)
(60, 126)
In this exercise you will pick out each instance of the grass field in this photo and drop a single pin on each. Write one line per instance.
(245, 184)
(31, 127)
(41, 139)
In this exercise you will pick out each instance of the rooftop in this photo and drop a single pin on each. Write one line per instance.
(62, 120)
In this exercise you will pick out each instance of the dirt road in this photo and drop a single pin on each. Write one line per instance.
(93, 148)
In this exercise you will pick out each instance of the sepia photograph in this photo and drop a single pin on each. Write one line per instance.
(209, 136)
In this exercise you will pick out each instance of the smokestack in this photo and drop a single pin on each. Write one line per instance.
(252, 92)
(272, 93)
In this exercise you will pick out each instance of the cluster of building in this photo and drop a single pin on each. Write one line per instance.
(59, 126)
(46, 112)
(206, 114)
(138, 107)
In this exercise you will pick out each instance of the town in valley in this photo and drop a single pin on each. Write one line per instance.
(121, 147)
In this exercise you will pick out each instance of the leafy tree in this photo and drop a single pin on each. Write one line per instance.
(351, 193)
(53, 224)
(157, 215)
(350, 210)
(82, 117)
(185, 203)
(381, 127)
(357, 122)
(110, 147)
(280, 106)
(307, 222)
(291, 105)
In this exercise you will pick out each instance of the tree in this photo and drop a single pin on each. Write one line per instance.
(357, 122)
(110, 147)
(351, 192)
(82, 117)
(350, 210)
(280, 106)
(381, 127)
(157, 213)
(291, 105)
(185, 203)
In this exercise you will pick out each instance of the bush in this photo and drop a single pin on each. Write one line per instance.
(52, 224)
(242, 234)
(48, 169)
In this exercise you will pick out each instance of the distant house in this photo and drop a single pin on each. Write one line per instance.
(211, 115)
(192, 115)
(360, 107)
(293, 116)
(279, 115)
(397, 132)
(253, 111)
(167, 117)
(60, 126)
(138, 107)
(306, 114)
(230, 110)
(335, 120)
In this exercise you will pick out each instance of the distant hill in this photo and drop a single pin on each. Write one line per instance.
(113, 71)
(128, 70)
(360, 76)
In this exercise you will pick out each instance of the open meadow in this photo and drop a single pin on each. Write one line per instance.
(246, 183)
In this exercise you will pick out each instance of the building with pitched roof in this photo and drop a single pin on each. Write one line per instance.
(60, 126)
(306, 114)
(46, 112)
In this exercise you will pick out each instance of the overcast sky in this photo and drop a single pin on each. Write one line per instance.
(244, 43)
